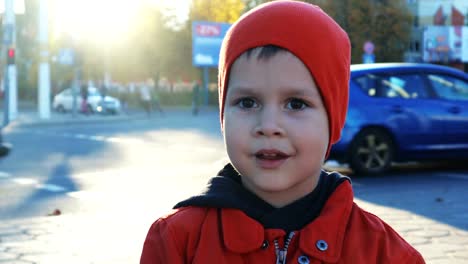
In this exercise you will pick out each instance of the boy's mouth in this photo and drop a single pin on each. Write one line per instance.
(270, 154)
(270, 158)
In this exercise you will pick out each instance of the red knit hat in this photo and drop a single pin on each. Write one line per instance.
(307, 32)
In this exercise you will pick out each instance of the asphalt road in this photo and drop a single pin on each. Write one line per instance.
(134, 171)
(62, 167)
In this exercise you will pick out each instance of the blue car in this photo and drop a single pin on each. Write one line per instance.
(402, 112)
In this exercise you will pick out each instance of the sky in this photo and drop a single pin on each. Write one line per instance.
(106, 19)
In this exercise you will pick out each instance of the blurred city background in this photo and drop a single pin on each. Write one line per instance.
(122, 44)
(109, 117)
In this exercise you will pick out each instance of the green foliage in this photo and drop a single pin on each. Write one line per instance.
(386, 23)
(216, 10)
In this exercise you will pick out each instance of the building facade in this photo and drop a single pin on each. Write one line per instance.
(440, 32)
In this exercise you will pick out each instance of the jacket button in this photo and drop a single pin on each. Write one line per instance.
(265, 244)
(321, 245)
(303, 259)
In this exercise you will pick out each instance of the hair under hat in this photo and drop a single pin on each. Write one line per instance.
(311, 35)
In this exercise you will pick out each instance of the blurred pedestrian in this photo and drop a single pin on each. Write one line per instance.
(195, 97)
(124, 98)
(156, 99)
(85, 109)
(145, 97)
(102, 92)
(283, 89)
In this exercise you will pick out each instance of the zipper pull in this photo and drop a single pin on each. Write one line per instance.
(280, 257)
(281, 253)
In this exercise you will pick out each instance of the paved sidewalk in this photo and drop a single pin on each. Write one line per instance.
(108, 238)
(439, 243)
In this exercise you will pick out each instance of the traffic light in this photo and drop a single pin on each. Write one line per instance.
(10, 56)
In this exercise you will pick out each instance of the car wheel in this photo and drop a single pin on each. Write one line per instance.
(91, 110)
(371, 152)
(61, 109)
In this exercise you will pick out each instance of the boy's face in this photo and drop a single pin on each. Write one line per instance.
(275, 127)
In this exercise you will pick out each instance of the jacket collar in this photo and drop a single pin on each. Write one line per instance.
(242, 234)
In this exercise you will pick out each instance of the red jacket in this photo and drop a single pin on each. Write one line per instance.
(343, 233)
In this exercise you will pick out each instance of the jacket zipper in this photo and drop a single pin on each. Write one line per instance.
(281, 253)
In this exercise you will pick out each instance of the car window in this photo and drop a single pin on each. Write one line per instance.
(448, 87)
(408, 86)
(66, 92)
(92, 91)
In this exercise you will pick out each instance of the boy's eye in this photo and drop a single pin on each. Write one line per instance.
(247, 103)
(296, 104)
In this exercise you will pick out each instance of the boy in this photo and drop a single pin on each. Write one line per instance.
(283, 78)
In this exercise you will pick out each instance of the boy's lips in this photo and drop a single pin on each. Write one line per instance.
(270, 158)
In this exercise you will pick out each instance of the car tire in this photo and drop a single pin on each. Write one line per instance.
(4, 149)
(91, 110)
(60, 109)
(371, 152)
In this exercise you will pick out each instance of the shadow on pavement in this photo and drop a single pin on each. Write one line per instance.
(434, 190)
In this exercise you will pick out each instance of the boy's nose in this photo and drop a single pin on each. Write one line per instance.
(269, 123)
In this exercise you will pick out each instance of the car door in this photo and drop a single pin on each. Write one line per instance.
(403, 101)
(412, 110)
(68, 99)
(453, 97)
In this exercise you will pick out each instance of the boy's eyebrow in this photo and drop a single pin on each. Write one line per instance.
(288, 91)
(240, 89)
(300, 91)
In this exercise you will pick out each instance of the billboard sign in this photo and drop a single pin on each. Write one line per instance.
(206, 42)
(464, 49)
(445, 44)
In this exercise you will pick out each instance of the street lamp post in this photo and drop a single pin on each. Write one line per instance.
(10, 82)
(44, 69)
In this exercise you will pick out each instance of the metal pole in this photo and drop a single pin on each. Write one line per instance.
(10, 84)
(6, 112)
(205, 84)
(76, 90)
(44, 69)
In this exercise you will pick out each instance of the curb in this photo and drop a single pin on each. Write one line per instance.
(31, 119)
(74, 120)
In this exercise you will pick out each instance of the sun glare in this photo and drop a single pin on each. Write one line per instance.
(181, 7)
(94, 20)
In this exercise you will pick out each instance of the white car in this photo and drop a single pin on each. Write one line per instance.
(63, 102)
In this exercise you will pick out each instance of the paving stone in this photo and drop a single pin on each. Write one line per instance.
(34, 247)
(444, 261)
(15, 238)
(417, 240)
(454, 239)
(448, 248)
(55, 258)
(16, 261)
(430, 252)
(9, 229)
(38, 231)
(409, 227)
(10, 232)
(431, 233)
(5, 256)
(462, 255)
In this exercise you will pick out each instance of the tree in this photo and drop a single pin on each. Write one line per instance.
(386, 23)
(216, 10)
(27, 51)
